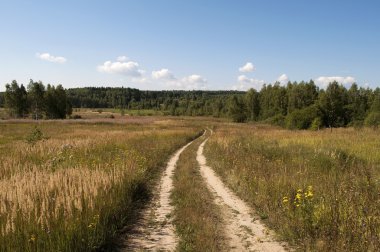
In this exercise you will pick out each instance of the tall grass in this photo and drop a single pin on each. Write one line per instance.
(75, 188)
(319, 190)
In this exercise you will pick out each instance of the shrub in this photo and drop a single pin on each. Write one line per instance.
(278, 120)
(372, 120)
(302, 118)
(34, 136)
(316, 124)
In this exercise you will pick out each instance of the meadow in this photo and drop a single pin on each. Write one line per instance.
(74, 185)
(318, 189)
(70, 186)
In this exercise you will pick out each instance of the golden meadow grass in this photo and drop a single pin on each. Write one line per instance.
(73, 190)
(318, 190)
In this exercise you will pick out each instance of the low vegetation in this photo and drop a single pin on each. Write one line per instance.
(71, 186)
(317, 189)
(197, 218)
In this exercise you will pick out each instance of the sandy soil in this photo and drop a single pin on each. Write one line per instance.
(155, 231)
(244, 230)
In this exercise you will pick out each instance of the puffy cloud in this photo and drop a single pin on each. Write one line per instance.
(247, 68)
(245, 83)
(283, 79)
(51, 58)
(324, 81)
(194, 78)
(191, 82)
(163, 74)
(122, 58)
(129, 68)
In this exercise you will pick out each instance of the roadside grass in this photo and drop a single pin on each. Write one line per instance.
(73, 189)
(197, 218)
(318, 190)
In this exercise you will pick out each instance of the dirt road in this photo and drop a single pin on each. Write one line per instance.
(155, 231)
(244, 230)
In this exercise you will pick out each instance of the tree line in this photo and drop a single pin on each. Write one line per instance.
(37, 100)
(297, 105)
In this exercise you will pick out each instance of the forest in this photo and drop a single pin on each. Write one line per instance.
(35, 101)
(297, 105)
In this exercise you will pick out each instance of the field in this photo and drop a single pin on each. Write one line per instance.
(318, 190)
(74, 185)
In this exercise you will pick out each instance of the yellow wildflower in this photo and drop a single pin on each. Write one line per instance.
(298, 196)
(285, 199)
(32, 238)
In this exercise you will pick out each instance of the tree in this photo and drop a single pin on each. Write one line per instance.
(236, 109)
(253, 104)
(332, 103)
(273, 101)
(301, 95)
(373, 120)
(56, 104)
(358, 104)
(16, 99)
(36, 93)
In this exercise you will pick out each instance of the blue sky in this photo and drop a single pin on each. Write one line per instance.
(167, 44)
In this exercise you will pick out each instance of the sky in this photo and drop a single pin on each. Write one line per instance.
(189, 44)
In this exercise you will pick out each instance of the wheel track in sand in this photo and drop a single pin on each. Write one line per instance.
(154, 231)
(244, 230)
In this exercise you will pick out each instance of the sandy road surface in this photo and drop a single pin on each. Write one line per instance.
(155, 231)
(244, 230)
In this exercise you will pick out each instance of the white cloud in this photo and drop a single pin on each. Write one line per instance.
(283, 79)
(129, 68)
(245, 83)
(194, 78)
(324, 81)
(191, 82)
(51, 58)
(122, 58)
(163, 74)
(247, 68)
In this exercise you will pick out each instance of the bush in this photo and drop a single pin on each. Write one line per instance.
(278, 120)
(239, 118)
(34, 136)
(302, 118)
(372, 120)
(316, 124)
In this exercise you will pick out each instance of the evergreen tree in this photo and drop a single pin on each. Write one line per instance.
(36, 92)
(16, 99)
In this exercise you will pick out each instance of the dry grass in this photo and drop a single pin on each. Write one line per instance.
(73, 190)
(319, 190)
